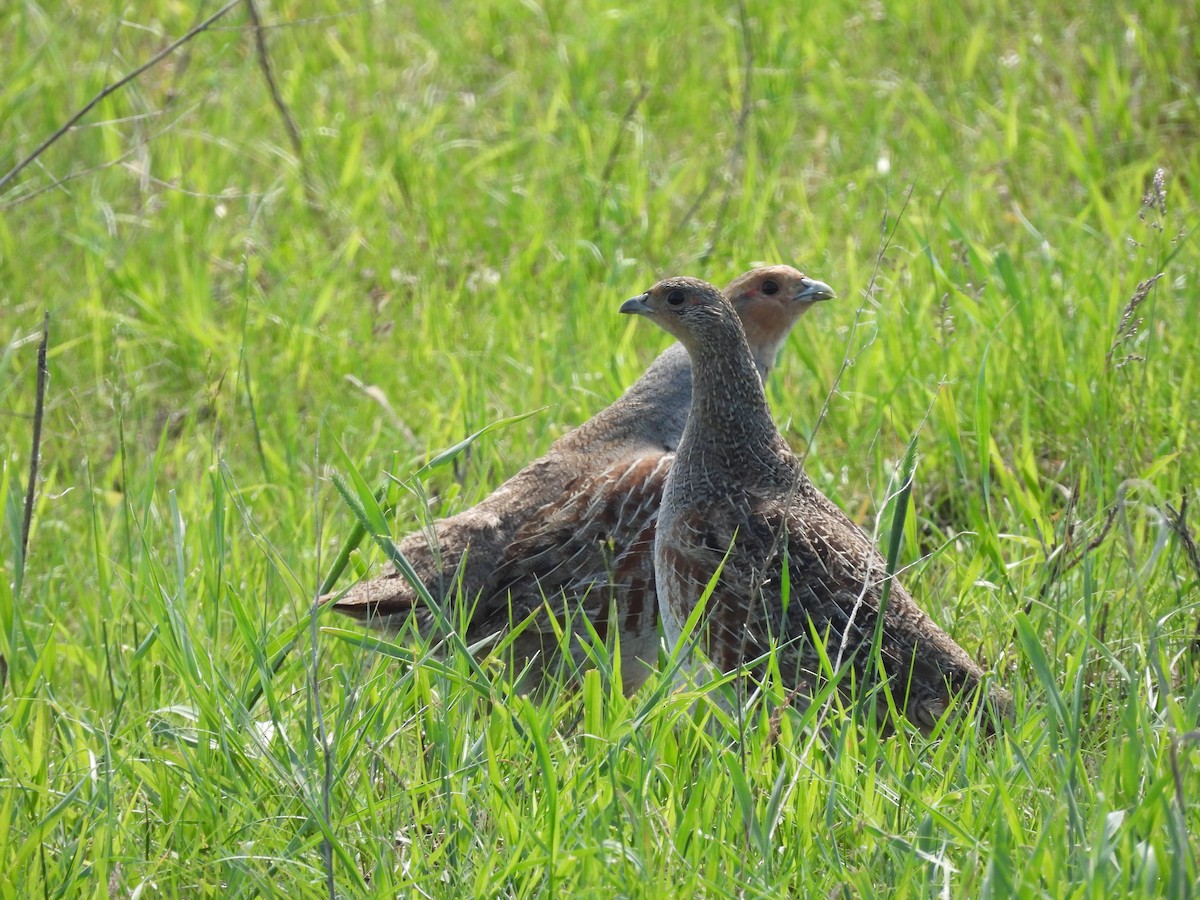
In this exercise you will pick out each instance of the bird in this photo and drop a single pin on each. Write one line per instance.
(792, 571)
(573, 531)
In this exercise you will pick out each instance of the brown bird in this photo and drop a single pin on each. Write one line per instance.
(573, 532)
(737, 500)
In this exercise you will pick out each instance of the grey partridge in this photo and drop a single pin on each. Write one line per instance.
(737, 500)
(575, 528)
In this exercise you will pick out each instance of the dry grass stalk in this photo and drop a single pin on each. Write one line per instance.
(1130, 325)
(1155, 198)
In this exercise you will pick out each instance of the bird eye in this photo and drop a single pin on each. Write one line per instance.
(676, 297)
(770, 287)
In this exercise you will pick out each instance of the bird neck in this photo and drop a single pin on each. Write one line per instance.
(729, 413)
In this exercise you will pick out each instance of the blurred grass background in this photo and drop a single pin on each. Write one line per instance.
(479, 185)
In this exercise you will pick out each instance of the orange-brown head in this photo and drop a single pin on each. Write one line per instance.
(769, 301)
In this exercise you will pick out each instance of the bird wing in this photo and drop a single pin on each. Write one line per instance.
(451, 549)
(834, 577)
(582, 554)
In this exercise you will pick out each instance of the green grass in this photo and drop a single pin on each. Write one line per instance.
(476, 199)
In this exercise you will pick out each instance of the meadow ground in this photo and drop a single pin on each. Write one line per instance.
(475, 189)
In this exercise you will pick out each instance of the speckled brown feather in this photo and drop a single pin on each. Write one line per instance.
(736, 498)
(589, 558)
(575, 528)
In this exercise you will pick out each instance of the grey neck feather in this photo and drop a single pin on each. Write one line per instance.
(652, 412)
(729, 419)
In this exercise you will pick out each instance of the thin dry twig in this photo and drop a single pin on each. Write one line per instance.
(1177, 522)
(264, 63)
(737, 154)
(614, 151)
(145, 138)
(285, 113)
(39, 410)
(1110, 516)
(123, 159)
(112, 89)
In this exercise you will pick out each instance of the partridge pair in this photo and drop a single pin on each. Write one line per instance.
(793, 575)
(572, 534)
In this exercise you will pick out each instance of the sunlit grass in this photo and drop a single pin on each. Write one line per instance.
(481, 187)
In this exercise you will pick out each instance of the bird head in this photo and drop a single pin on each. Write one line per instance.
(769, 301)
(682, 306)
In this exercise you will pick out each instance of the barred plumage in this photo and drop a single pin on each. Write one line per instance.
(737, 498)
(576, 527)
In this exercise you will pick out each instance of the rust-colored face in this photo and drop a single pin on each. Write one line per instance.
(769, 301)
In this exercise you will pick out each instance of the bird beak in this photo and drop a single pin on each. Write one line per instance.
(814, 291)
(637, 305)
